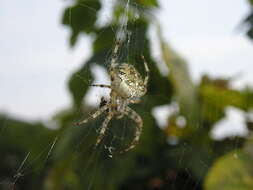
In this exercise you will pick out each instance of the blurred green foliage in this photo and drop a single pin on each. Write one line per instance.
(62, 156)
(232, 171)
(249, 21)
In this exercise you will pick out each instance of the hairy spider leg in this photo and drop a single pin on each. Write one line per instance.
(113, 101)
(114, 54)
(113, 75)
(131, 101)
(103, 128)
(135, 101)
(94, 115)
(147, 71)
(101, 85)
(135, 117)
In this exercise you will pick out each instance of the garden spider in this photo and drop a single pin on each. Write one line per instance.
(127, 86)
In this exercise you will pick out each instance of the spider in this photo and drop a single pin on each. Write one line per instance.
(127, 86)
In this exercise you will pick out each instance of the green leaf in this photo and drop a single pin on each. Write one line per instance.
(104, 39)
(79, 84)
(14, 135)
(231, 172)
(213, 103)
(247, 96)
(81, 18)
(179, 75)
(148, 3)
(248, 147)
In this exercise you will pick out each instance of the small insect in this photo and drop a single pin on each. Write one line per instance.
(127, 86)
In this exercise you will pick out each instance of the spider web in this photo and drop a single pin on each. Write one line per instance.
(100, 159)
(33, 161)
(125, 37)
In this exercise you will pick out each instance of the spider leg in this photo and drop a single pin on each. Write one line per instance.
(114, 54)
(134, 116)
(135, 101)
(101, 85)
(103, 128)
(120, 116)
(131, 101)
(94, 115)
(147, 71)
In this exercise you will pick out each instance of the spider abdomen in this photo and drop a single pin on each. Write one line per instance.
(129, 83)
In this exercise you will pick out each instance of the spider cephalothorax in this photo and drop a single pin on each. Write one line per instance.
(127, 86)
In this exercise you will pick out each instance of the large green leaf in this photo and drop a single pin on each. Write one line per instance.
(148, 3)
(81, 17)
(185, 92)
(231, 172)
(217, 94)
